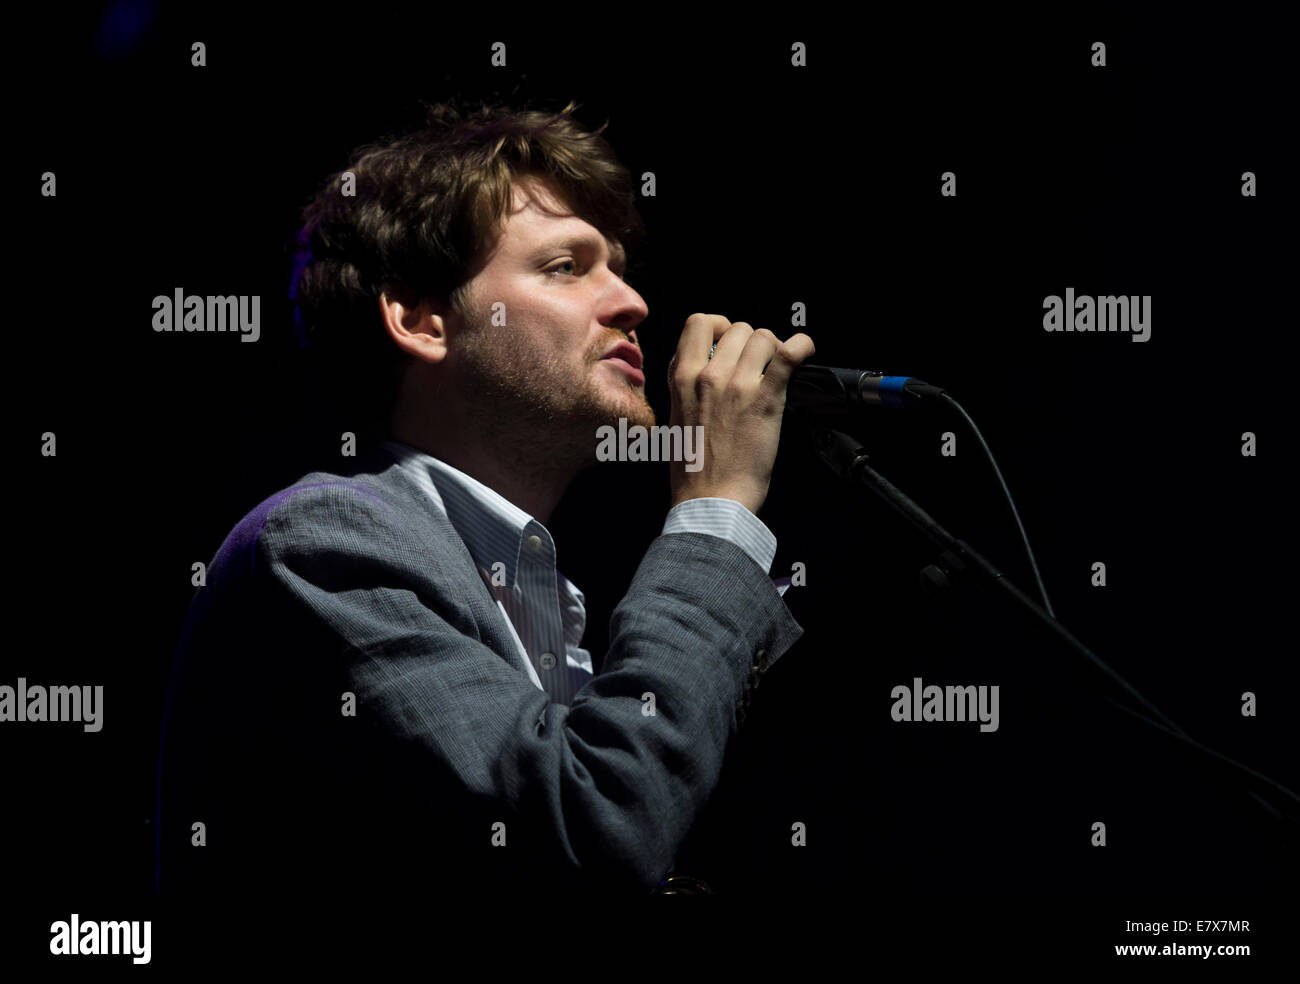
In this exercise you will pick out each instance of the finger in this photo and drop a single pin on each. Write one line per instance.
(758, 352)
(698, 335)
(793, 351)
(727, 352)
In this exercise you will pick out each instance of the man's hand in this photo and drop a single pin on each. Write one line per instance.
(735, 401)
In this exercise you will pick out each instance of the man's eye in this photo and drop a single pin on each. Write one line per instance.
(556, 270)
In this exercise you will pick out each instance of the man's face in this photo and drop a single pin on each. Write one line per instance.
(556, 283)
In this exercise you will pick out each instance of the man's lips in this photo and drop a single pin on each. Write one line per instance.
(626, 357)
(632, 371)
(626, 351)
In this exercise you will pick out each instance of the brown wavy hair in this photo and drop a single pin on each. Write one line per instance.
(429, 206)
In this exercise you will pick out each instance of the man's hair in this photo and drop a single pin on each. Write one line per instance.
(428, 207)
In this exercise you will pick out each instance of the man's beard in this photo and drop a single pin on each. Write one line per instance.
(543, 409)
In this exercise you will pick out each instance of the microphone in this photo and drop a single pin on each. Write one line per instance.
(829, 390)
(825, 389)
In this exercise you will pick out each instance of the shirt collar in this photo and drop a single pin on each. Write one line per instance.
(494, 529)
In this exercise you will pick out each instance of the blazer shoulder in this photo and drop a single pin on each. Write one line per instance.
(321, 504)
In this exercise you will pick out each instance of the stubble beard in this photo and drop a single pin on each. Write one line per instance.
(539, 410)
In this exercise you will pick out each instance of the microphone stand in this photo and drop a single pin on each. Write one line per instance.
(846, 458)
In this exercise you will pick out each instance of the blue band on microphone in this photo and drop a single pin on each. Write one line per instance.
(891, 390)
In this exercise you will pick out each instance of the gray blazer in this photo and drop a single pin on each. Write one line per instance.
(345, 710)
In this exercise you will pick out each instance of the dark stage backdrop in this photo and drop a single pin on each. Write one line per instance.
(799, 165)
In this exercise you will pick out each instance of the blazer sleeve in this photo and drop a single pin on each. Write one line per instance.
(609, 785)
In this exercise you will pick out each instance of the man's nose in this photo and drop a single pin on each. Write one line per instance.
(633, 310)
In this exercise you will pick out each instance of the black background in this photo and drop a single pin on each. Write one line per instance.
(775, 184)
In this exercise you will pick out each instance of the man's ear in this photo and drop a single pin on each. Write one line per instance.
(416, 325)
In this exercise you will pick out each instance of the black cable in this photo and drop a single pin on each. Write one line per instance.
(1024, 538)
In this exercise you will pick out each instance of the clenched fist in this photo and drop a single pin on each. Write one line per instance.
(738, 405)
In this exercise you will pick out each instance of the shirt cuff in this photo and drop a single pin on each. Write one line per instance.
(729, 520)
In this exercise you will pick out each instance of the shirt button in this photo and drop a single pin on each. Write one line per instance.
(547, 661)
(535, 542)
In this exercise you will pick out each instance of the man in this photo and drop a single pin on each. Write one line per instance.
(425, 713)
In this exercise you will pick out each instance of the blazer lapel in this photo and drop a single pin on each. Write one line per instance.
(469, 580)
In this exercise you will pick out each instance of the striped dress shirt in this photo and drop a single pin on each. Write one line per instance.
(515, 556)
